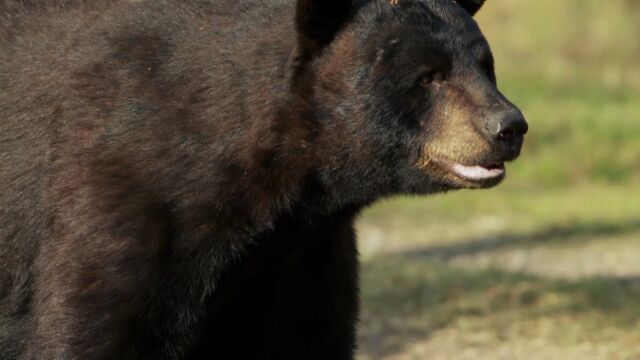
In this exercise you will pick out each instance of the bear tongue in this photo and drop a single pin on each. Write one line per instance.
(478, 172)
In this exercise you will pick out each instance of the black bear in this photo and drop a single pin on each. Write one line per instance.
(179, 178)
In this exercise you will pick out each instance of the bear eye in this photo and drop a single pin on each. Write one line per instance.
(431, 76)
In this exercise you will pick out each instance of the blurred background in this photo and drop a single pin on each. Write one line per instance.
(547, 265)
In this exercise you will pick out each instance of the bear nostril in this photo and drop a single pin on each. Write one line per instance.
(511, 127)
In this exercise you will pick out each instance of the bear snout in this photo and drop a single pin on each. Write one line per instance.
(505, 130)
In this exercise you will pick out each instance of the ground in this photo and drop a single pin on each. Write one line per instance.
(553, 274)
(546, 264)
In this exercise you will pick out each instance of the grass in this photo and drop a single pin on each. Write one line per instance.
(503, 274)
(579, 132)
(544, 266)
(431, 300)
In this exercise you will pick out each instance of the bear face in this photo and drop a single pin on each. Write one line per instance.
(410, 85)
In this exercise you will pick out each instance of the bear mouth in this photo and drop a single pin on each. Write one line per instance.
(482, 172)
(478, 175)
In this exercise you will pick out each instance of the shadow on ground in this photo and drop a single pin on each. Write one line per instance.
(409, 295)
(578, 231)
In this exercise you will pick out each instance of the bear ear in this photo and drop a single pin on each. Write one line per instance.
(318, 21)
(471, 6)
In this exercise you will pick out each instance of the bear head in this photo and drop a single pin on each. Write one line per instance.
(405, 93)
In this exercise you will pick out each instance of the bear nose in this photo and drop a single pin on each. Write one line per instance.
(509, 127)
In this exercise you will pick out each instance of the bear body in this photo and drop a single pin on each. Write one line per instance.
(179, 179)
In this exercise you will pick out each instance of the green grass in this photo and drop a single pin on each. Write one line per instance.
(546, 265)
(554, 268)
(418, 298)
(572, 68)
(580, 132)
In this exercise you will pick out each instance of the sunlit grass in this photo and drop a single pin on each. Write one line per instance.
(422, 299)
(572, 68)
(579, 132)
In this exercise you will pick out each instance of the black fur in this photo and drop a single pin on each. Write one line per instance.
(179, 178)
(471, 6)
